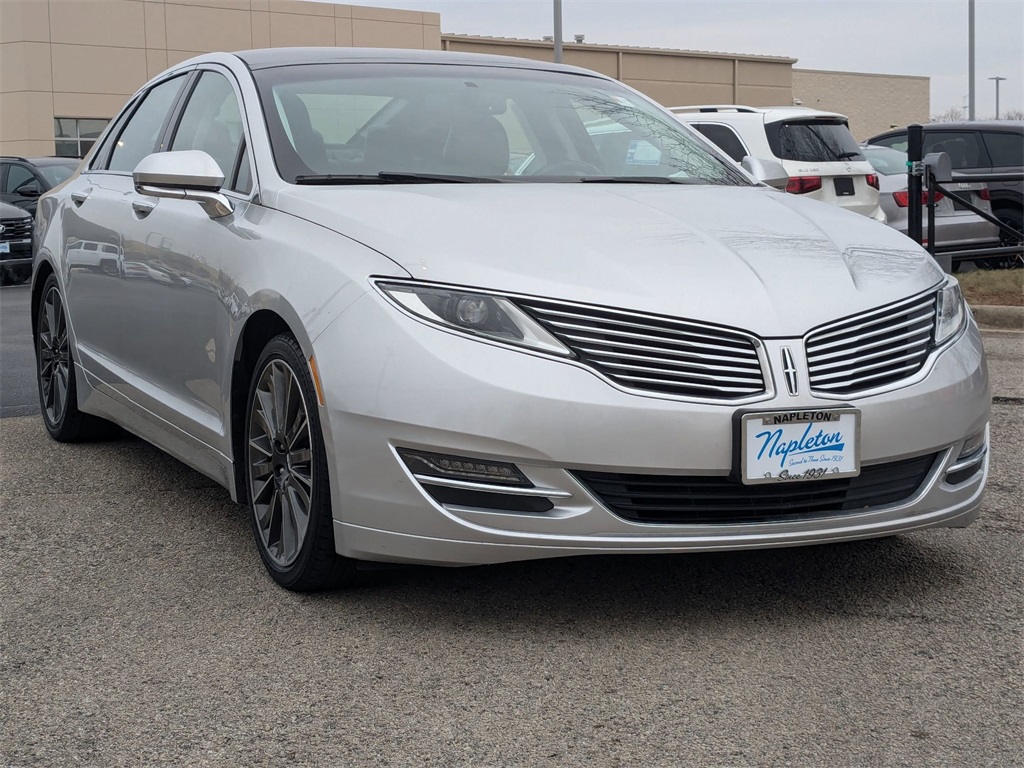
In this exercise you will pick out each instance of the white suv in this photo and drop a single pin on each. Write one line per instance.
(816, 149)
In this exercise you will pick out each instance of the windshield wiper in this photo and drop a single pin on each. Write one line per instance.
(638, 180)
(847, 155)
(391, 177)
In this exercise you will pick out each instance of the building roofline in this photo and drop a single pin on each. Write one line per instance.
(449, 36)
(860, 74)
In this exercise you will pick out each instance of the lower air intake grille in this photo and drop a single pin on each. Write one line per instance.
(676, 500)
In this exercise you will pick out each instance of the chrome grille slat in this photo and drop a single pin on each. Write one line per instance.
(753, 367)
(650, 353)
(15, 229)
(641, 336)
(877, 348)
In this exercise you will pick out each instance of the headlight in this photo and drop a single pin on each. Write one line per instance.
(479, 314)
(951, 314)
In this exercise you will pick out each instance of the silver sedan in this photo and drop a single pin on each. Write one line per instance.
(327, 279)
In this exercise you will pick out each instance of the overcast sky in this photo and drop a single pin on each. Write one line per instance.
(904, 37)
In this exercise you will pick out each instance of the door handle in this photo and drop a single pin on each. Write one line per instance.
(142, 208)
(80, 197)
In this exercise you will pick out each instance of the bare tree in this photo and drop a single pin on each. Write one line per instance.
(1013, 114)
(951, 115)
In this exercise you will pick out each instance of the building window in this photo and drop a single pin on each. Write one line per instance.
(74, 136)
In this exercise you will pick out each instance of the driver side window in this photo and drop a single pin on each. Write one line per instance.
(212, 122)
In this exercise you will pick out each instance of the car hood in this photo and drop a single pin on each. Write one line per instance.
(751, 258)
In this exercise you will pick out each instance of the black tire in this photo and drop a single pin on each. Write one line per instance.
(55, 376)
(286, 476)
(1013, 217)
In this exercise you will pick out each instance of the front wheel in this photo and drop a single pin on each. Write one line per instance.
(55, 374)
(286, 474)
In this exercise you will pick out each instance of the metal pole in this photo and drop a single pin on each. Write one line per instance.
(997, 79)
(558, 31)
(915, 143)
(970, 58)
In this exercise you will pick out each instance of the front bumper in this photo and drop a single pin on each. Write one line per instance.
(394, 382)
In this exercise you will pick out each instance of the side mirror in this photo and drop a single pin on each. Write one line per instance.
(185, 175)
(768, 172)
(29, 189)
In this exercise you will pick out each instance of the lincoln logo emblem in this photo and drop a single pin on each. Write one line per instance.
(789, 369)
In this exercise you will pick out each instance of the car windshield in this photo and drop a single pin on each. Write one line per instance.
(813, 141)
(888, 162)
(396, 123)
(56, 173)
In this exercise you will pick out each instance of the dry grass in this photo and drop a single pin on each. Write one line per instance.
(993, 286)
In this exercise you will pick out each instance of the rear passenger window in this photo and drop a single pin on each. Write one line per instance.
(898, 142)
(725, 139)
(212, 122)
(1005, 149)
(142, 131)
(964, 148)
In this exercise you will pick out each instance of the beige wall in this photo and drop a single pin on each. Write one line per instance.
(670, 77)
(84, 58)
(874, 103)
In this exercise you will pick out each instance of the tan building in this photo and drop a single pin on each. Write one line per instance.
(68, 66)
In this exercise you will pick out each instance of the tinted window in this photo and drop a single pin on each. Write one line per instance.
(142, 130)
(899, 141)
(725, 139)
(212, 122)
(361, 119)
(888, 162)
(55, 174)
(1005, 149)
(813, 141)
(16, 176)
(963, 147)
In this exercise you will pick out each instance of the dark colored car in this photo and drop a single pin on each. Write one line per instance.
(15, 244)
(24, 179)
(979, 147)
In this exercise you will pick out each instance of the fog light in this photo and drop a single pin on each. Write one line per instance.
(463, 468)
(973, 443)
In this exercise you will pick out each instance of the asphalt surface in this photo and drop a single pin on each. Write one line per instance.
(137, 627)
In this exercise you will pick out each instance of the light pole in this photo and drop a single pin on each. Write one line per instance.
(970, 59)
(997, 79)
(558, 31)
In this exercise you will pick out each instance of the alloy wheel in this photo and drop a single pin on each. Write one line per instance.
(280, 462)
(54, 357)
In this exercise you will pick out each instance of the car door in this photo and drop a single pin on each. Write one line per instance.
(96, 210)
(177, 342)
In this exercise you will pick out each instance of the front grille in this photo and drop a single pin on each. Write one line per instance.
(16, 229)
(654, 353)
(872, 349)
(676, 500)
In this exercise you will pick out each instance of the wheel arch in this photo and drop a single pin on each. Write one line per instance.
(44, 270)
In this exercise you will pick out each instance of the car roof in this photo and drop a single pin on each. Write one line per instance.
(283, 57)
(771, 114)
(44, 160)
(960, 125)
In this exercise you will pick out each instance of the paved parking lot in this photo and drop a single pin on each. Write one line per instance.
(138, 628)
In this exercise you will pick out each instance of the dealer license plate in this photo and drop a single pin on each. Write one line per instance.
(792, 446)
(5, 247)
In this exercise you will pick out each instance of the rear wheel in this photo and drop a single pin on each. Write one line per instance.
(286, 474)
(55, 367)
(1014, 218)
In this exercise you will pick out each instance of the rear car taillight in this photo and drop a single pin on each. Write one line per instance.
(902, 198)
(872, 180)
(984, 194)
(801, 185)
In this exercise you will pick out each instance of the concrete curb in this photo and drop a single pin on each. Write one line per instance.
(999, 317)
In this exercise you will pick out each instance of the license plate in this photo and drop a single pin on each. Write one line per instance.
(794, 446)
(844, 186)
(5, 247)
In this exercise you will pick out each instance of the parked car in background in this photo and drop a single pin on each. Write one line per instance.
(956, 226)
(24, 179)
(816, 148)
(15, 244)
(392, 343)
(978, 147)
